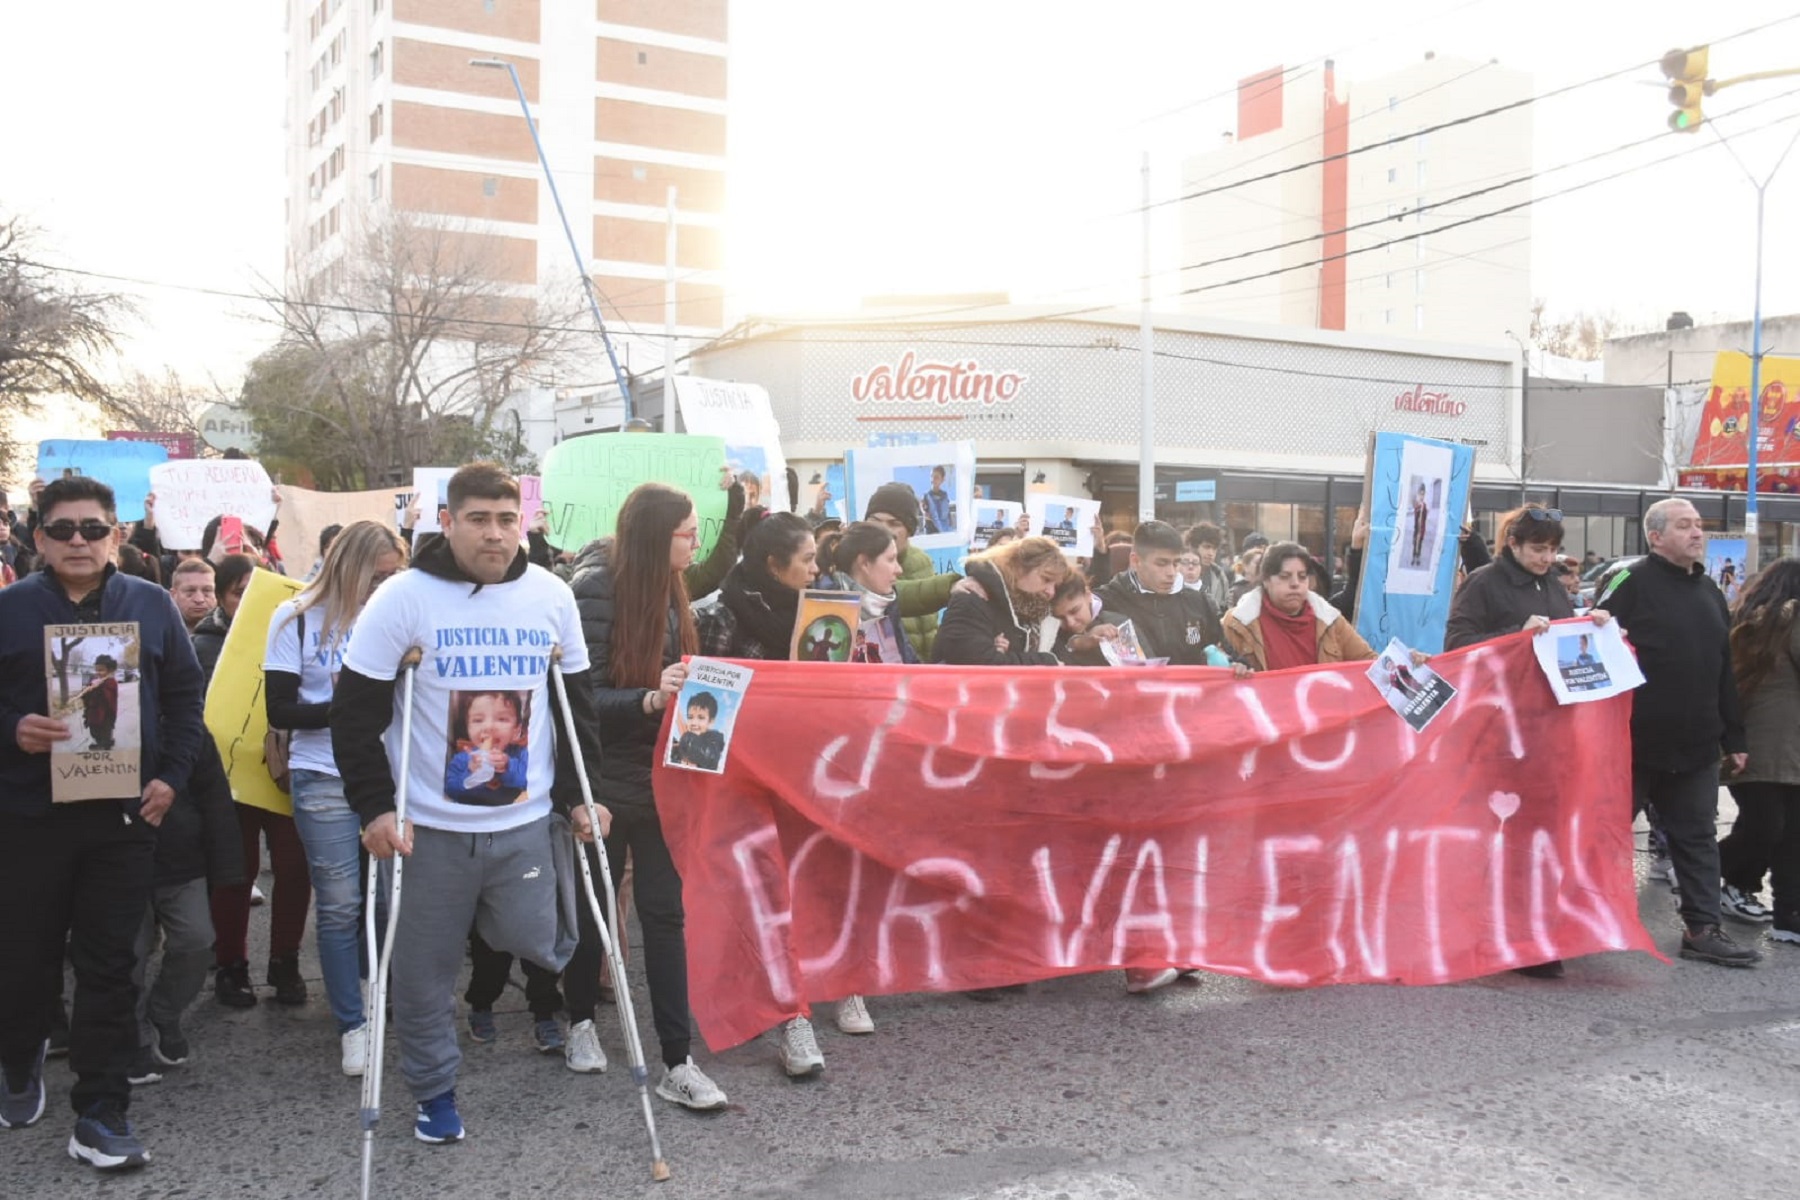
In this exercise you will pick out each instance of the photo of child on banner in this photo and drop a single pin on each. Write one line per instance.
(1415, 497)
(703, 714)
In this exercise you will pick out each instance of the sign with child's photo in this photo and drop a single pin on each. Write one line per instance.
(92, 676)
(705, 710)
(942, 477)
(1586, 662)
(1066, 520)
(487, 761)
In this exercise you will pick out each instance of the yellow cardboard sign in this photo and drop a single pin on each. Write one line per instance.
(237, 715)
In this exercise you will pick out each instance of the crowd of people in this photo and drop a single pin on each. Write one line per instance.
(144, 896)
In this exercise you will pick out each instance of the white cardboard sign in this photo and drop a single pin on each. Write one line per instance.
(192, 491)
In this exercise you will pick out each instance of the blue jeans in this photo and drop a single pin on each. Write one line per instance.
(332, 835)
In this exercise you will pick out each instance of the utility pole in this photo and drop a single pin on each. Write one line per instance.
(1147, 398)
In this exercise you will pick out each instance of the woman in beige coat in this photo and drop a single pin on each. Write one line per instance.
(1765, 648)
(1284, 623)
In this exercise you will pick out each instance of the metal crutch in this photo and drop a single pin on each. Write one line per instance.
(381, 953)
(607, 923)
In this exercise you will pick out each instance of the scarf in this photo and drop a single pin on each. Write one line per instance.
(874, 604)
(1289, 641)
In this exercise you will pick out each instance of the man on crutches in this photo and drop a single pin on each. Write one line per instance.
(486, 766)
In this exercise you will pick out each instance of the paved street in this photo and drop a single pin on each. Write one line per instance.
(1628, 1079)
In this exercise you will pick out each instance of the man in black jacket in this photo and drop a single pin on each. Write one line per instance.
(1686, 713)
(1171, 621)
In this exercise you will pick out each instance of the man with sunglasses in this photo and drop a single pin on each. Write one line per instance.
(84, 871)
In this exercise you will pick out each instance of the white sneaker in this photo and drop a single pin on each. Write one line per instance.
(799, 1049)
(355, 1047)
(257, 899)
(853, 1016)
(1744, 906)
(689, 1087)
(1139, 980)
(582, 1051)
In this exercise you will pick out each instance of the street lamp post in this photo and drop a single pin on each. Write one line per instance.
(587, 283)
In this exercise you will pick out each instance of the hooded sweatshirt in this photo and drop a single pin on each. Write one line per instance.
(488, 751)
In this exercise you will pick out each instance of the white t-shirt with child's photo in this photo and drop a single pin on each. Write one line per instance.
(484, 742)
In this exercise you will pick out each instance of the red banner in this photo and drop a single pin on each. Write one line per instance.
(886, 829)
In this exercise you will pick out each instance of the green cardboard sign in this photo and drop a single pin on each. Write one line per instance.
(586, 480)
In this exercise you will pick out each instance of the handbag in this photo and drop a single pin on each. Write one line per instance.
(277, 742)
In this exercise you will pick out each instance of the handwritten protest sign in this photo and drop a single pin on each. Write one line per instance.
(192, 492)
(586, 479)
(306, 513)
(122, 466)
(531, 502)
(740, 414)
(237, 715)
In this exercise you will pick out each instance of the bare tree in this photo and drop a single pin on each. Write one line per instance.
(1580, 335)
(50, 330)
(401, 353)
(162, 404)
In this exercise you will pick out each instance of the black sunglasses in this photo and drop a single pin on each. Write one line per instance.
(90, 531)
(1544, 514)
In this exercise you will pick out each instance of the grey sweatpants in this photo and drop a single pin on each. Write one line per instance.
(506, 886)
(185, 915)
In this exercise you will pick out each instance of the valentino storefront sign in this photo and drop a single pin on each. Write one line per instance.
(1421, 401)
(912, 382)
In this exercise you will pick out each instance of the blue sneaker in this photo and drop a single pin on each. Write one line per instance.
(22, 1099)
(547, 1036)
(437, 1122)
(481, 1025)
(103, 1138)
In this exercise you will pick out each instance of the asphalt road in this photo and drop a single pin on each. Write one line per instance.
(1630, 1078)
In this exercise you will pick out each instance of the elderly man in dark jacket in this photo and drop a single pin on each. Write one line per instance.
(1686, 714)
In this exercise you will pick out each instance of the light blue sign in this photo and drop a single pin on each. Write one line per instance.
(122, 466)
(878, 441)
(1195, 490)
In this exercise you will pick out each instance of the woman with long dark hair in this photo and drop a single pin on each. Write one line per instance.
(635, 614)
(1765, 642)
(307, 636)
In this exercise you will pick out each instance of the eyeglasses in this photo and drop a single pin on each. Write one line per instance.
(90, 531)
(1544, 514)
(692, 536)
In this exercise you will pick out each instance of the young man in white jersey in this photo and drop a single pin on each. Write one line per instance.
(482, 791)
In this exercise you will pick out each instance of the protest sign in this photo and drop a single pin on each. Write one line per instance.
(237, 714)
(837, 503)
(531, 502)
(1725, 564)
(941, 475)
(192, 492)
(1417, 494)
(1585, 662)
(93, 678)
(898, 437)
(991, 516)
(825, 626)
(586, 479)
(1417, 693)
(946, 828)
(123, 466)
(705, 711)
(429, 483)
(1066, 520)
(1125, 650)
(306, 513)
(739, 413)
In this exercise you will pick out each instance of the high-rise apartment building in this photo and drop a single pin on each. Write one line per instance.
(1366, 236)
(386, 114)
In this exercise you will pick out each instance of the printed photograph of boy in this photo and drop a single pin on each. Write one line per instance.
(100, 702)
(698, 744)
(489, 733)
(95, 679)
(936, 489)
(1581, 668)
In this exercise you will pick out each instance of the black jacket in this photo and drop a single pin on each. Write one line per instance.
(1687, 712)
(1497, 599)
(970, 625)
(209, 640)
(629, 736)
(363, 708)
(1177, 625)
(199, 837)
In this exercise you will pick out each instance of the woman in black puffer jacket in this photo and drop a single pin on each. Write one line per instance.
(635, 616)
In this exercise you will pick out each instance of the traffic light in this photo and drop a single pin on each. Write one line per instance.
(1688, 86)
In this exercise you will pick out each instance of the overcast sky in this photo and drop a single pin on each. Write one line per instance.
(930, 146)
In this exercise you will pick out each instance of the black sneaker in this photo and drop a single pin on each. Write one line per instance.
(22, 1096)
(170, 1048)
(1544, 970)
(231, 984)
(144, 1068)
(104, 1139)
(284, 977)
(1711, 944)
